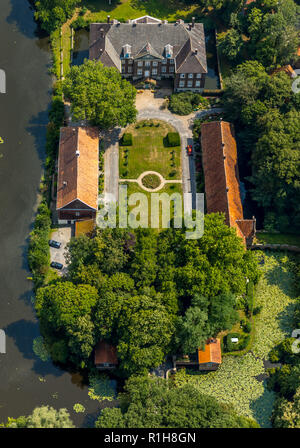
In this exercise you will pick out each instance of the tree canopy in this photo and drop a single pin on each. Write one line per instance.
(154, 403)
(54, 13)
(100, 95)
(43, 417)
(146, 292)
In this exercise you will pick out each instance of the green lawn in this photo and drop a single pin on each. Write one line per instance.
(237, 380)
(169, 189)
(148, 153)
(131, 9)
(278, 238)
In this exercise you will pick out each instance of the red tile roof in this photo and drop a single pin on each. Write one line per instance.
(211, 352)
(105, 353)
(222, 185)
(78, 173)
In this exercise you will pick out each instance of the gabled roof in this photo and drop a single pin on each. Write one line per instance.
(146, 19)
(211, 352)
(184, 38)
(78, 173)
(222, 184)
(105, 353)
(148, 50)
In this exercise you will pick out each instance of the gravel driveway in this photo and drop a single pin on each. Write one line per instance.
(63, 236)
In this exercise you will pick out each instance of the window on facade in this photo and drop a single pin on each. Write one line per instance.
(129, 69)
(171, 61)
(147, 63)
(155, 63)
(190, 83)
(163, 69)
(140, 63)
(182, 75)
(171, 69)
(123, 62)
(197, 83)
(139, 71)
(191, 75)
(181, 83)
(154, 71)
(130, 61)
(199, 75)
(164, 61)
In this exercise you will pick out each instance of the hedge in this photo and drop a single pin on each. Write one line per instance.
(126, 140)
(173, 139)
(38, 250)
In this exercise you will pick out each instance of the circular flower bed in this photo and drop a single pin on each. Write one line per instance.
(151, 181)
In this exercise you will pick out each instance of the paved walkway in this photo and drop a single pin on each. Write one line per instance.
(163, 181)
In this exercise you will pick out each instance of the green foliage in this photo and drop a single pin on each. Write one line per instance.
(126, 140)
(173, 139)
(100, 388)
(78, 408)
(155, 403)
(100, 95)
(43, 417)
(65, 313)
(118, 279)
(183, 103)
(231, 44)
(54, 13)
(38, 250)
(203, 319)
(262, 107)
(286, 413)
(40, 349)
(283, 353)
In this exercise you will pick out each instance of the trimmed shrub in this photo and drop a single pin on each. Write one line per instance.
(183, 103)
(173, 139)
(126, 140)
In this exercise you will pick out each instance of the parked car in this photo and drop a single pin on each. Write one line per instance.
(54, 244)
(189, 150)
(56, 265)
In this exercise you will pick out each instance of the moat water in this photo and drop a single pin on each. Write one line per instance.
(25, 381)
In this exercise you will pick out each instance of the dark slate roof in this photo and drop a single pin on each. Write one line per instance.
(107, 41)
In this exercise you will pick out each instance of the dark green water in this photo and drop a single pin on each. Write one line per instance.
(25, 381)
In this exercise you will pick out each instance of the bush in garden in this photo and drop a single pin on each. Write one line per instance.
(183, 103)
(126, 139)
(173, 139)
(247, 327)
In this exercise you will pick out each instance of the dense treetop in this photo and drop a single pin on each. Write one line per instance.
(100, 95)
(149, 293)
(154, 403)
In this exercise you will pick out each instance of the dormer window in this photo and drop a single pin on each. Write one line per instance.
(169, 51)
(127, 51)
